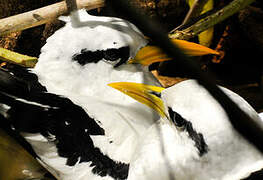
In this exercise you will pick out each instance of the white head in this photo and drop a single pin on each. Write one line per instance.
(197, 138)
(84, 59)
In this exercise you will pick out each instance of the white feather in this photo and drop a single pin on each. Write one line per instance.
(229, 155)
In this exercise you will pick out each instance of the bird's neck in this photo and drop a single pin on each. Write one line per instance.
(87, 87)
(234, 158)
(91, 79)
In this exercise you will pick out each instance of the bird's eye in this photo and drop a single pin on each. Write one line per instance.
(177, 119)
(111, 54)
(117, 56)
(114, 56)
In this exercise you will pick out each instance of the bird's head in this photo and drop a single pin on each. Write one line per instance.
(96, 52)
(194, 138)
(88, 57)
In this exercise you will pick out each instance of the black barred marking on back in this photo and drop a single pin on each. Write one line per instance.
(85, 56)
(182, 123)
(58, 119)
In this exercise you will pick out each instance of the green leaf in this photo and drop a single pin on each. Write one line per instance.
(206, 37)
(190, 2)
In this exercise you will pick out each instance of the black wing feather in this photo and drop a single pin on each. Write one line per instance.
(32, 109)
(26, 106)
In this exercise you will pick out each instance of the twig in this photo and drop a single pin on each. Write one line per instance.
(42, 15)
(194, 11)
(71, 5)
(211, 20)
(72, 9)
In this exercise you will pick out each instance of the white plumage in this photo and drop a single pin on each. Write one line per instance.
(87, 85)
(212, 149)
(122, 118)
(60, 74)
(208, 148)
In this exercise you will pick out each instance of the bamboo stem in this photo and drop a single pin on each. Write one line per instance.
(211, 20)
(42, 15)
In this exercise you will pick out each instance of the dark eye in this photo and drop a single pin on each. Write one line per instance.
(176, 118)
(111, 54)
(116, 56)
(120, 55)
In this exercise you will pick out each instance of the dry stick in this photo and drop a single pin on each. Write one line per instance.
(42, 15)
(72, 10)
(211, 20)
(71, 5)
(194, 11)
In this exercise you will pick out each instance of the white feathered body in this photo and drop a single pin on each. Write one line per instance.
(229, 155)
(122, 118)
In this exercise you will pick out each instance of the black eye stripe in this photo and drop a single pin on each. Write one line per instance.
(85, 56)
(198, 138)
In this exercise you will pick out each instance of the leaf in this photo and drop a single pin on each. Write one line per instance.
(190, 2)
(16, 58)
(205, 38)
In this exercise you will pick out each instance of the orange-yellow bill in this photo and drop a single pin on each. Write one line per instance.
(150, 54)
(145, 94)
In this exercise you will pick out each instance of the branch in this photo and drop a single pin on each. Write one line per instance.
(72, 8)
(194, 11)
(42, 15)
(211, 20)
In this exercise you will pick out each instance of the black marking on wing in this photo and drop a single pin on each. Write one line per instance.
(85, 56)
(106, 166)
(47, 113)
(58, 119)
(182, 123)
(70, 126)
(19, 81)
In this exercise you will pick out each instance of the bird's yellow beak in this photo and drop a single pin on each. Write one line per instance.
(145, 94)
(150, 54)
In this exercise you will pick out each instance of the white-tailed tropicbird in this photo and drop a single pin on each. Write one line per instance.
(78, 127)
(193, 139)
